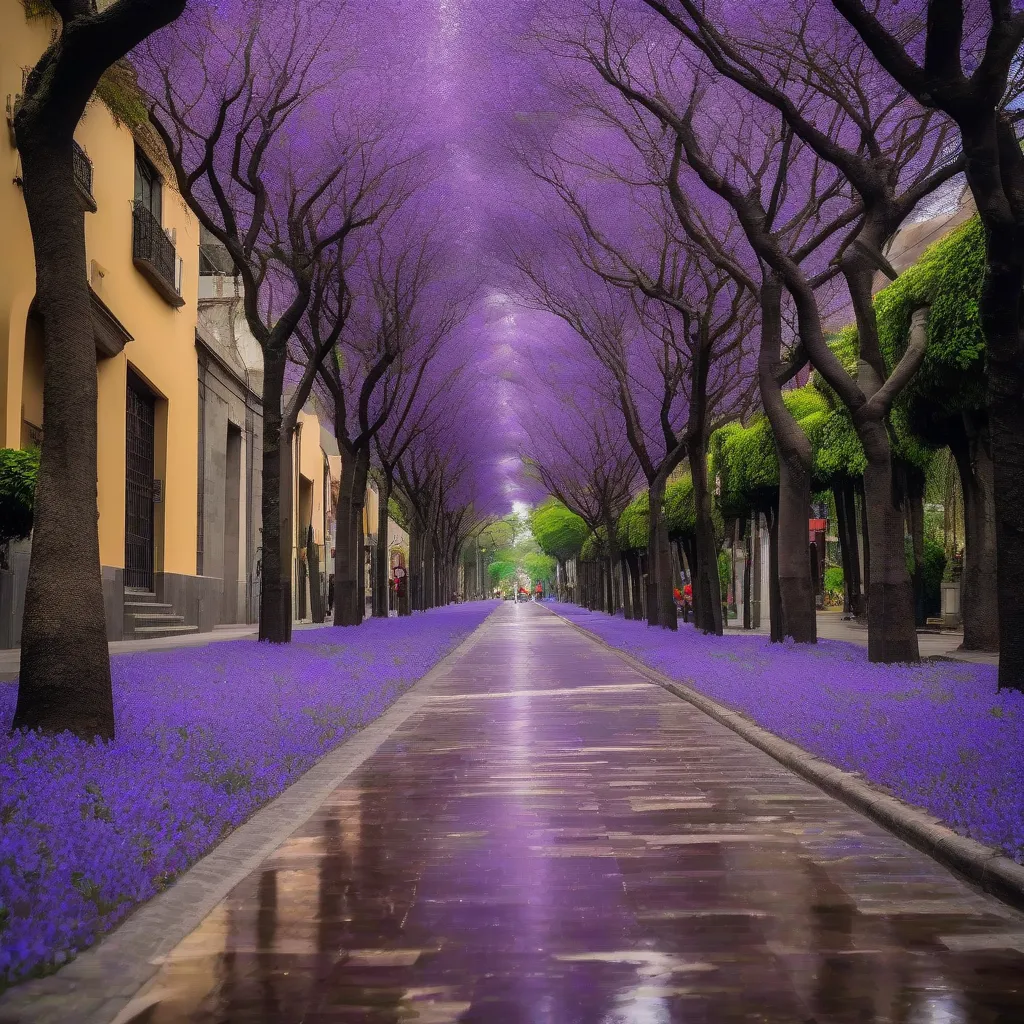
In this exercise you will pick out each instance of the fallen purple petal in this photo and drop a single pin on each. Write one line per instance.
(206, 735)
(937, 735)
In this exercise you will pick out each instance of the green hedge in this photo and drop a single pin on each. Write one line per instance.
(559, 532)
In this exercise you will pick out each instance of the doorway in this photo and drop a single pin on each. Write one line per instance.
(139, 469)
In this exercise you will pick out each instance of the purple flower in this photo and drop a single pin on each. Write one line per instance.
(938, 735)
(205, 736)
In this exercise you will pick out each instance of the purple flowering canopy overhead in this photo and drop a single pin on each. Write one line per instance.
(427, 96)
(492, 121)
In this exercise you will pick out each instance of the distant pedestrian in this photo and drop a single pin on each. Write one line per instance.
(330, 594)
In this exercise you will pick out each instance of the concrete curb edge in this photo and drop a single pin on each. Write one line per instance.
(981, 865)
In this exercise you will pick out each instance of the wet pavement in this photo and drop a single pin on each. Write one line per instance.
(552, 839)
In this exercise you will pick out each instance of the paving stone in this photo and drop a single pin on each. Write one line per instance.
(547, 837)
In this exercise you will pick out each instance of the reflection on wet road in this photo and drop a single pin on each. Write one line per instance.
(555, 840)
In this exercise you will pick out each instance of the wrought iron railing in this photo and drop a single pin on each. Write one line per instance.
(154, 252)
(82, 167)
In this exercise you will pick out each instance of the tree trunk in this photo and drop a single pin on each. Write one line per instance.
(635, 584)
(614, 560)
(380, 584)
(858, 594)
(846, 515)
(316, 596)
(756, 574)
(1000, 309)
(798, 615)
(627, 596)
(65, 681)
(866, 541)
(428, 571)
(661, 609)
(415, 580)
(345, 560)
(357, 611)
(915, 527)
(979, 588)
(892, 636)
(776, 625)
(276, 580)
(707, 588)
(748, 574)
(795, 585)
(1006, 424)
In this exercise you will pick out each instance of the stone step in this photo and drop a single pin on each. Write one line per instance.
(157, 619)
(139, 596)
(158, 632)
(147, 608)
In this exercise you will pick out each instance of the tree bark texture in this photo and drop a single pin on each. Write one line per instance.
(636, 584)
(627, 596)
(1000, 308)
(748, 575)
(707, 587)
(915, 527)
(892, 636)
(844, 494)
(316, 597)
(979, 598)
(756, 573)
(415, 583)
(795, 585)
(614, 561)
(64, 682)
(277, 500)
(65, 679)
(796, 460)
(429, 582)
(351, 604)
(776, 624)
(345, 567)
(380, 583)
(661, 608)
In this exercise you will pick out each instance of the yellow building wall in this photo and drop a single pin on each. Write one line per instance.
(163, 353)
(370, 512)
(310, 464)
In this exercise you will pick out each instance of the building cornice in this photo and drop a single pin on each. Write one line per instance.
(211, 352)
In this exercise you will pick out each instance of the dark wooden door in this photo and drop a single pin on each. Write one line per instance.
(138, 527)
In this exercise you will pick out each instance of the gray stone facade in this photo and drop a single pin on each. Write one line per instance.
(225, 587)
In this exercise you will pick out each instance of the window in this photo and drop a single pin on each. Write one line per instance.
(147, 187)
(152, 248)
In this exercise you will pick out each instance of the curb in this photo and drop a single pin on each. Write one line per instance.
(102, 982)
(985, 867)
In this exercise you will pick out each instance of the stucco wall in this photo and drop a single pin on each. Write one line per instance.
(162, 352)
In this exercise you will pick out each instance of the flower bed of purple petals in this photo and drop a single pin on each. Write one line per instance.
(205, 736)
(937, 735)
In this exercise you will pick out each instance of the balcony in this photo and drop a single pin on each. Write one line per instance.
(153, 253)
(82, 167)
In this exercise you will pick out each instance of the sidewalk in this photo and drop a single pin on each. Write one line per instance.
(10, 659)
(944, 644)
(543, 834)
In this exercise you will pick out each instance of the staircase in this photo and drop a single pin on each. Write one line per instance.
(146, 619)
